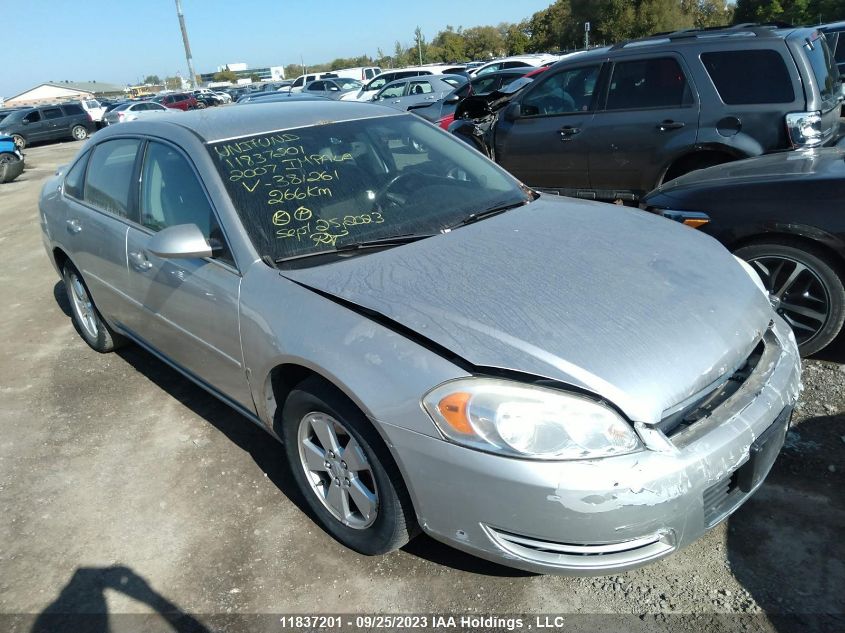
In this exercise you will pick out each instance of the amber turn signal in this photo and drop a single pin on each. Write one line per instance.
(453, 408)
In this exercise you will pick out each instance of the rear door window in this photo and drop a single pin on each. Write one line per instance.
(52, 113)
(420, 88)
(109, 179)
(648, 83)
(749, 77)
(73, 180)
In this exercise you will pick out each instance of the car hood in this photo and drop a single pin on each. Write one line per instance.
(799, 164)
(632, 307)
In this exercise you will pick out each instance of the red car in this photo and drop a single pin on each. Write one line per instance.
(179, 101)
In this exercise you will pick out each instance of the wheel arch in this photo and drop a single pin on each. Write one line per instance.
(284, 377)
(675, 167)
(798, 236)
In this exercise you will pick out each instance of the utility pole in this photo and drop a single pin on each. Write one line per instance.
(418, 33)
(586, 34)
(193, 76)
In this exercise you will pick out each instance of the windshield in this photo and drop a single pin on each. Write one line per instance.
(16, 116)
(315, 189)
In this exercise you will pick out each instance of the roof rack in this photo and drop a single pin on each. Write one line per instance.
(758, 30)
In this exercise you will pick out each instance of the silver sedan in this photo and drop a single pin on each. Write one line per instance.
(554, 384)
(134, 110)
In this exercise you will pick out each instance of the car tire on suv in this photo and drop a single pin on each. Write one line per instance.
(79, 132)
(19, 140)
(805, 287)
(337, 457)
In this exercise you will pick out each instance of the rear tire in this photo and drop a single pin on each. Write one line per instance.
(385, 520)
(86, 318)
(806, 287)
(79, 132)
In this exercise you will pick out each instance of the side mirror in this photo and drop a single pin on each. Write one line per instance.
(25, 121)
(452, 99)
(182, 241)
(512, 112)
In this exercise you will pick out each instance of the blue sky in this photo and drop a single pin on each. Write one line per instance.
(120, 41)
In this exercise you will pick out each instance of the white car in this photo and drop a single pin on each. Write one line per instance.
(517, 61)
(133, 110)
(94, 109)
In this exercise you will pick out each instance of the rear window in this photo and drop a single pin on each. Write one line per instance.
(648, 83)
(52, 113)
(749, 77)
(73, 109)
(820, 60)
(109, 178)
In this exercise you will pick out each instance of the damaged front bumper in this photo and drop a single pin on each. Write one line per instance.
(606, 515)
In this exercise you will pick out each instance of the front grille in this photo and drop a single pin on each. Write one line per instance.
(706, 401)
(720, 499)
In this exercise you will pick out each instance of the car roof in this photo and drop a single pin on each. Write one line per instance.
(216, 124)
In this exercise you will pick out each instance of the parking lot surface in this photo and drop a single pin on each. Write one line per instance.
(126, 489)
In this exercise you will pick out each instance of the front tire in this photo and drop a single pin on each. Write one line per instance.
(20, 141)
(86, 318)
(805, 288)
(344, 470)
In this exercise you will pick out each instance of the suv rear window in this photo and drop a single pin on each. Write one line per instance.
(820, 60)
(749, 77)
(73, 109)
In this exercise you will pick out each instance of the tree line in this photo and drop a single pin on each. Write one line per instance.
(560, 27)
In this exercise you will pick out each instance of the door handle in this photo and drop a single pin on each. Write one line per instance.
(567, 132)
(397, 101)
(668, 124)
(73, 226)
(139, 261)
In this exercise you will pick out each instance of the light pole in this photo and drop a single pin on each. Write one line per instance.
(586, 34)
(193, 76)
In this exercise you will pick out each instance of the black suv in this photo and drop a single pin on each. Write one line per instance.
(47, 123)
(616, 122)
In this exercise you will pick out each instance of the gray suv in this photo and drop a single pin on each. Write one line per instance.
(616, 122)
(47, 123)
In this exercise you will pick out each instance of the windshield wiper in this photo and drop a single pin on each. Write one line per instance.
(487, 213)
(393, 240)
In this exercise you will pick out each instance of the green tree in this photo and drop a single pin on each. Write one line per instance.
(448, 46)
(516, 38)
(152, 79)
(483, 42)
(225, 75)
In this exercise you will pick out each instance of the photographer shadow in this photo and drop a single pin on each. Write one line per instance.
(81, 605)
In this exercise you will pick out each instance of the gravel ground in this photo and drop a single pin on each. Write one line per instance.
(124, 489)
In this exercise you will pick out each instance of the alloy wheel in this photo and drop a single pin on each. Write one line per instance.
(83, 306)
(337, 470)
(796, 292)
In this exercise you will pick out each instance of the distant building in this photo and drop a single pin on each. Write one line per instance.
(270, 73)
(51, 92)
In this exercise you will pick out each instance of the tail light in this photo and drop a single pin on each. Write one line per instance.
(804, 128)
(446, 121)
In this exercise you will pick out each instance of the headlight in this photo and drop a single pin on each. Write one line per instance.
(753, 274)
(510, 418)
